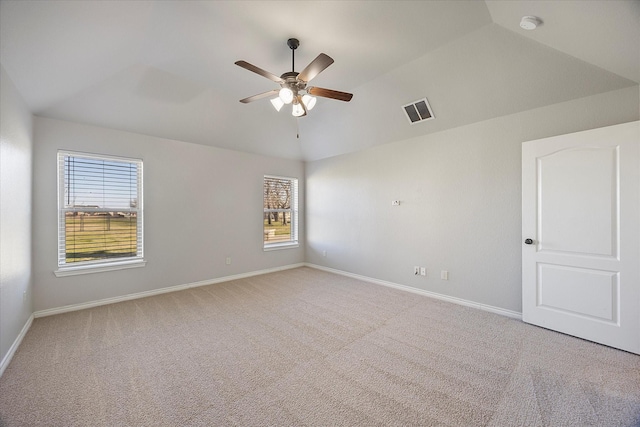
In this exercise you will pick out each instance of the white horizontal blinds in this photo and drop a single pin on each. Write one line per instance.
(294, 210)
(280, 216)
(100, 208)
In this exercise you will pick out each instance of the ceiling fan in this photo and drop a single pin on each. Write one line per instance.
(294, 89)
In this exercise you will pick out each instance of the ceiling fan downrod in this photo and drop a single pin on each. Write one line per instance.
(293, 45)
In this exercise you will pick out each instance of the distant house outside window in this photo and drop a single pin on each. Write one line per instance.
(100, 215)
(280, 216)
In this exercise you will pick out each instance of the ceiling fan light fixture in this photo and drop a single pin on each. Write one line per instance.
(277, 103)
(309, 101)
(286, 95)
(297, 110)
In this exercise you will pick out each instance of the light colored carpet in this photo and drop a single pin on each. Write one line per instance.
(306, 347)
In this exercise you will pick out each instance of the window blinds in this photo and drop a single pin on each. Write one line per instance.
(100, 208)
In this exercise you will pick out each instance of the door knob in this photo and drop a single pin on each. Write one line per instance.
(528, 241)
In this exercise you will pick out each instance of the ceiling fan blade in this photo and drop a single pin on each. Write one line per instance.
(259, 96)
(258, 70)
(328, 93)
(316, 66)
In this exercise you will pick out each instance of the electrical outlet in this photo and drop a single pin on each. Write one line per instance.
(24, 296)
(395, 203)
(324, 253)
(444, 275)
(228, 261)
(416, 270)
(423, 271)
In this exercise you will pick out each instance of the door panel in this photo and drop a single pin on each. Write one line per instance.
(580, 208)
(564, 225)
(559, 285)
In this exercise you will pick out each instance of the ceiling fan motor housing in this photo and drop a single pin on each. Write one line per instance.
(291, 81)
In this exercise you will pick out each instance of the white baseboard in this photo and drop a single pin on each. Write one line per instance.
(459, 301)
(82, 306)
(7, 358)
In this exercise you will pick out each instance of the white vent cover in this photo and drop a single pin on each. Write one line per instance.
(418, 111)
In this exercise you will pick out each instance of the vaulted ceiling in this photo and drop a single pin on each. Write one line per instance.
(166, 68)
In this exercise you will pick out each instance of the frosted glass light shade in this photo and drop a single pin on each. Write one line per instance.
(286, 95)
(297, 110)
(309, 101)
(277, 103)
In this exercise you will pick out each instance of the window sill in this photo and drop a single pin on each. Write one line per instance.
(279, 246)
(98, 268)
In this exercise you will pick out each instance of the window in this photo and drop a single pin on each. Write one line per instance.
(280, 217)
(99, 213)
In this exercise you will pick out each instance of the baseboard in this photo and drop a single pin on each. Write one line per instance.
(7, 358)
(137, 295)
(459, 301)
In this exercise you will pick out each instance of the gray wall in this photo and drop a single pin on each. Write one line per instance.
(460, 196)
(16, 158)
(201, 205)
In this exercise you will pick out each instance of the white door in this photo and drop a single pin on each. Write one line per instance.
(581, 234)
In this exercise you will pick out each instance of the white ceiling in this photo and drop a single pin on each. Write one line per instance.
(166, 68)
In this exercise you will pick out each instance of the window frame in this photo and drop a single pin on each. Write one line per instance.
(294, 215)
(101, 265)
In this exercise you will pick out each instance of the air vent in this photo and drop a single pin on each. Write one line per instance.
(418, 111)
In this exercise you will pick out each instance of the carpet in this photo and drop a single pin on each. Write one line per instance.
(305, 347)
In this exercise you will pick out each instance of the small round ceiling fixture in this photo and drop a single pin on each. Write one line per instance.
(530, 22)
